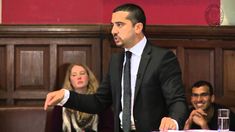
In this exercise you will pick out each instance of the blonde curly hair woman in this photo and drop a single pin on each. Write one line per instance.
(79, 78)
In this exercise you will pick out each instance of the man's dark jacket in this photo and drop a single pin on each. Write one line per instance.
(158, 93)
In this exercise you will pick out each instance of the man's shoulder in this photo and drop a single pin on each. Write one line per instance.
(156, 46)
(158, 49)
(219, 106)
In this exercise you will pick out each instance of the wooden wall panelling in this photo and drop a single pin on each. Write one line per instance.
(2, 68)
(106, 53)
(228, 75)
(212, 46)
(32, 66)
(218, 72)
(53, 66)
(33, 57)
(199, 65)
(2, 73)
(32, 72)
(10, 74)
(227, 89)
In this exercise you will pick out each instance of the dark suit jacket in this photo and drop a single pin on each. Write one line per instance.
(159, 91)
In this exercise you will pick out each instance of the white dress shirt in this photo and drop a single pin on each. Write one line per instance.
(136, 51)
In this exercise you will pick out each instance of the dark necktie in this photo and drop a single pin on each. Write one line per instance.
(126, 117)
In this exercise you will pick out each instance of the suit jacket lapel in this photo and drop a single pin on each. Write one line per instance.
(119, 64)
(145, 58)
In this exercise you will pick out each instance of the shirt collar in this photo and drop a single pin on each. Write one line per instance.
(139, 47)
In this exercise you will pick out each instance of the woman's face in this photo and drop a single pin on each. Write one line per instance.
(79, 78)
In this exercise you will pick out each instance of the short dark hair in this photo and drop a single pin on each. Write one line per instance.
(136, 13)
(203, 83)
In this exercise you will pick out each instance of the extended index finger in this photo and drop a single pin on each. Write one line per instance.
(46, 104)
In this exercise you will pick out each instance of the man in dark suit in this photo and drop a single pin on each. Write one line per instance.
(157, 93)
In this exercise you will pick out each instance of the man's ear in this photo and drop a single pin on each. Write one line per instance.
(213, 98)
(138, 27)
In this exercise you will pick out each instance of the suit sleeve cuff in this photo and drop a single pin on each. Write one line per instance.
(65, 99)
(177, 126)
